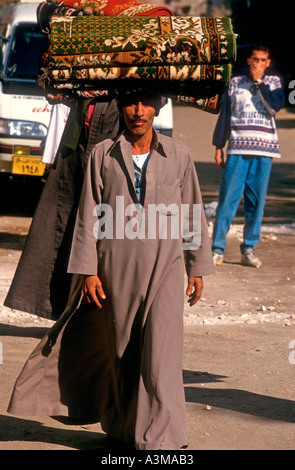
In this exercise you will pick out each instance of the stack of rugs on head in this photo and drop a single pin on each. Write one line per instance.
(103, 47)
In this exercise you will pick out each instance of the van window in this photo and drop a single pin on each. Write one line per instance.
(26, 48)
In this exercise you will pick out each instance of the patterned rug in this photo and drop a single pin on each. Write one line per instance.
(79, 42)
(186, 58)
(211, 105)
(174, 50)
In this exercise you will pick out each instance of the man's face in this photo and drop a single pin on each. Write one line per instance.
(258, 62)
(139, 113)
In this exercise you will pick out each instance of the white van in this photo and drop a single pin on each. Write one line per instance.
(24, 112)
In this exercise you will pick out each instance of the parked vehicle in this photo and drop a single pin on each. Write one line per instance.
(24, 112)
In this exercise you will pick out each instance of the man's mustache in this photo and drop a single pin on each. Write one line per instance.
(138, 119)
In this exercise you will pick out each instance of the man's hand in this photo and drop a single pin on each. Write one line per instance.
(194, 289)
(92, 290)
(219, 158)
(257, 70)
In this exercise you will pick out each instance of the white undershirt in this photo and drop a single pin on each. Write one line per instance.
(139, 160)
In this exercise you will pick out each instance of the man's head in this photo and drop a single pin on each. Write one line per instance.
(258, 60)
(139, 110)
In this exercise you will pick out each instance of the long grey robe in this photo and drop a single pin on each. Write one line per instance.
(122, 365)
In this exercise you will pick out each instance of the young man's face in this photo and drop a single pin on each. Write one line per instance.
(258, 62)
(139, 113)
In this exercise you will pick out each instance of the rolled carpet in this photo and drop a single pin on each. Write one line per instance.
(186, 58)
(115, 7)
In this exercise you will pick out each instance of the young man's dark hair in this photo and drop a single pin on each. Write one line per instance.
(259, 47)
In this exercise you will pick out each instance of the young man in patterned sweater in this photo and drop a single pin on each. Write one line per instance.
(247, 124)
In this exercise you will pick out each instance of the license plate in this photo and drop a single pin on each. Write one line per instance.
(31, 166)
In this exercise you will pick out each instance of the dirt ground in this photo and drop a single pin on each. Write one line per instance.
(239, 344)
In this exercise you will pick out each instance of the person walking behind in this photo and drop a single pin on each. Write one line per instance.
(247, 124)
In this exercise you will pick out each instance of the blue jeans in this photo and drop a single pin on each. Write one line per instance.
(248, 176)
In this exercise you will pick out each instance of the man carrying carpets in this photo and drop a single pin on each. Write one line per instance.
(247, 122)
(115, 355)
